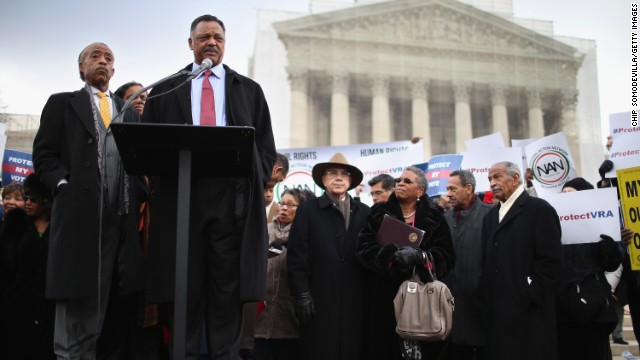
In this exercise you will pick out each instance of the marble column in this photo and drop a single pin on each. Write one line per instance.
(380, 116)
(568, 101)
(299, 108)
(536, 122)
(340, 109)
(461, 92)
(420, 113)
(499, 93)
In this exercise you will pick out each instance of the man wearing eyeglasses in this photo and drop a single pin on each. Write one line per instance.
(381, 187)
(326, 282)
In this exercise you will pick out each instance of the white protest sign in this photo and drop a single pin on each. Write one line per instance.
(625, 153)
(620, 124)
(551, 162)
(521, 143)
(480, 161)
(492, 141)
(584, 215)
(372, 159)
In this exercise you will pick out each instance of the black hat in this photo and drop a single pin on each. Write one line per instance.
(578, 183)
(33, 183)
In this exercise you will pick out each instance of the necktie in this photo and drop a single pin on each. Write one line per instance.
(105, 109)
(207, 104)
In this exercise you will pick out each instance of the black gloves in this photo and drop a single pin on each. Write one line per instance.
(278, 243)
(606, 166)
(384, 255)
(304, 307)
(406, 257)
(609, 253)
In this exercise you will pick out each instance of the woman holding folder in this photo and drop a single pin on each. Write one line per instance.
(389, 265)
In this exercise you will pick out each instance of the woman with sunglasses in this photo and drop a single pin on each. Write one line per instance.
(390, 265)
(27, 317)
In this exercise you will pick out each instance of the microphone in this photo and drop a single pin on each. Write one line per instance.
(205, 65)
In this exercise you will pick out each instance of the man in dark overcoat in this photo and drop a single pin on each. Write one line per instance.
(227, 232)
(522, 273)
(94, 222)
(465, 223)
(326, 282)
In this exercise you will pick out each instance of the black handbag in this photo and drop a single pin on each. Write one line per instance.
(586, 299)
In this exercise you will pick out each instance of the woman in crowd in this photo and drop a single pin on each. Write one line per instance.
(583, 332)
(277, 327)
(27, 317)
(389, 265)
(127, 90)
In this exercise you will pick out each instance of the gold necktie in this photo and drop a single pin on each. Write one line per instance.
(105, 109)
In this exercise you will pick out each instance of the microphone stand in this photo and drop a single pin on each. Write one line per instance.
(129, 101)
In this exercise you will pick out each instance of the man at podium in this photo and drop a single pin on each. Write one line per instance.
(228, 234)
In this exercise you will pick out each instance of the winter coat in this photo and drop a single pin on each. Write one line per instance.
(321, 260)
(383, 281)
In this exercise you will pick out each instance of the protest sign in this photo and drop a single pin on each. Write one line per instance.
(584, 215)
(620, 124)
(16, 166)
(438, 171)
(492, 141)
(480, 161)
(551, 162)
(625, 153)
(629, 186)
(372, 159)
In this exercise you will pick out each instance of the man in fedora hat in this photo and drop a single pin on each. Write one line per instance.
(325, 281)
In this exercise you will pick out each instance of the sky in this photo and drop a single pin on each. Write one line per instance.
(40, 41)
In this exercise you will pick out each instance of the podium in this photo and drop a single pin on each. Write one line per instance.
(167, 149)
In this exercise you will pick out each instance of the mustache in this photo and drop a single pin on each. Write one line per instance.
(211, 48)
(495, 188)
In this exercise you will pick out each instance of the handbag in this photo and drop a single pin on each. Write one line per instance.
(587, 299)
(424, 311)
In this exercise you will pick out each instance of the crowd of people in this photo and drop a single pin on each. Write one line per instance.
(87, 252)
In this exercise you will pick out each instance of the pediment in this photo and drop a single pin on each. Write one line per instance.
(437, 24)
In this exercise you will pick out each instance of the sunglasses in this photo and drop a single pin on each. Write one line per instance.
(404, 180)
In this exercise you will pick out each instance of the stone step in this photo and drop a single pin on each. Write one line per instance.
(618, 349)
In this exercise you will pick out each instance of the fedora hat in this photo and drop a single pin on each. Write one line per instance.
(337, 160)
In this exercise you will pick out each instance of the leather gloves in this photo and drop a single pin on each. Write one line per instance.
(278, 243)
(384, 255)
(606, 166)
(406, 257)
(303, 304)
(609, 253)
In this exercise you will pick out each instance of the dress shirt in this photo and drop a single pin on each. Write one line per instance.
(217, 83)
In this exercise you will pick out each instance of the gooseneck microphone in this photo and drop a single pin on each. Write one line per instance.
(206, 65)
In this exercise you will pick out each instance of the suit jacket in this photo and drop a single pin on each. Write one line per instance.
(65, 147)
(245, 106)
(526, 244)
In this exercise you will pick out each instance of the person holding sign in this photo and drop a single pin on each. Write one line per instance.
(522, 270)
(585, 309)
(390, 265)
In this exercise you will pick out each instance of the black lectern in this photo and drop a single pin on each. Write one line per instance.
(164, 149)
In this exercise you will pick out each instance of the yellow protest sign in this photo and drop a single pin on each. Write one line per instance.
(629, 189)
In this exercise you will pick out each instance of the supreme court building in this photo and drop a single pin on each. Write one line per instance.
(445, 70)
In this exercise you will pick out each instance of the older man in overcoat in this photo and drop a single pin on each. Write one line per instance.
(522, 273)
(326, 282)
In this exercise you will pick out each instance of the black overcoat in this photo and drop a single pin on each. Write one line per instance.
(65, 147)
(321, 260)
(525, 245)
(245, 106)
(383, 280)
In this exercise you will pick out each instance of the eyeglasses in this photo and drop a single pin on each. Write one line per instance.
(377, 193)
(31, 198)
(404, 180)
(335, 173)
(288, 205)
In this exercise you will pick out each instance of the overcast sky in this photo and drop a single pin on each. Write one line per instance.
(40, 41)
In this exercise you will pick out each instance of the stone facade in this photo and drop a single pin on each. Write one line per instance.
(439, 69)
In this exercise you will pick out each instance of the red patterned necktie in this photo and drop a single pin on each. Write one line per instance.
(207, 104)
